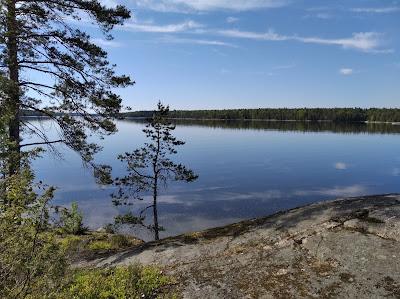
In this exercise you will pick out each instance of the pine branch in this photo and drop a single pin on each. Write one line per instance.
(42, 143)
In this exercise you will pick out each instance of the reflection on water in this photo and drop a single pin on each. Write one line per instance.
(247, 169)
(323, 126)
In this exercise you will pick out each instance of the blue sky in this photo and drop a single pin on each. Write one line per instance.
(202, 54)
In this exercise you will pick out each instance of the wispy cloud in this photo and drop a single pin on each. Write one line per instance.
(353, 190)
(378, 10)
(270, 35)
(224, 71)
(207, 42)
(319, 8)
(231, 20)
(345, 72)
(363, 41)
(284, 67)
(324, 16)
(106, 43)
(320, 15)
(208, 5)
(340, 166)
(167, 28)
(396, 172)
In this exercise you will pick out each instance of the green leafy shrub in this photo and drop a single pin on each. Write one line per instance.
(70, 243)
(117, 283)
(100, 245)
(31, 262)
(91, 242)
(119, 241)
(71, 220)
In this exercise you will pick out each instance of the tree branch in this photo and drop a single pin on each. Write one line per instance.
(42, 143)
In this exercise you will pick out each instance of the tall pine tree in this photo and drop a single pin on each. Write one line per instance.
(54, 69)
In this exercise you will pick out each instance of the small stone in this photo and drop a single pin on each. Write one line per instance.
(284, 243)
(282, 272)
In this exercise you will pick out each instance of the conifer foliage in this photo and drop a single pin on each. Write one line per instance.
(150, 167)
(54, 68)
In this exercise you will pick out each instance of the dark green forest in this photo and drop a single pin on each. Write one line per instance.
(297, 114)
(286, 126)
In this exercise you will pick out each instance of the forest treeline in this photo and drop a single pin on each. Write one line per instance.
(297, 114)
(288, 126)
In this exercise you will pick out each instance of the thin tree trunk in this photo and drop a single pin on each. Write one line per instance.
(13, 104)
(155, 189)
(155, 213)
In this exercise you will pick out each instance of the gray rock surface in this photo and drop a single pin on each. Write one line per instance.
(347, 248)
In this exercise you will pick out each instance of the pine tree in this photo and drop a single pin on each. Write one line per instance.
(38, 40)
(150, 167)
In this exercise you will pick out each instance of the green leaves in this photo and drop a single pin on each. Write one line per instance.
(32, 264)
(71, 220)
(121, 282)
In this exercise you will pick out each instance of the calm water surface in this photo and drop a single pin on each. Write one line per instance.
(246, 169)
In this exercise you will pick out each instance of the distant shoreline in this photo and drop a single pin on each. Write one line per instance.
(381, 115)
(240, 119)
(335, 115)
(271, 120)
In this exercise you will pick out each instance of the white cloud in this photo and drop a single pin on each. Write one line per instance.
(396, 172)
(225, 71)
(208, 5)
(353, 190)
(320, 15)
(378, 10)
(284, 67)
(319, 8)
(232, 19)
(346, 71)
(206, 42)
(323, 16)
(363, 41)
(270, 35)
(106, 43)
(168, 28)
(340, 166)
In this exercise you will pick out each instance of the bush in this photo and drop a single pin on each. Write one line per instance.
(70, 243)
(91, 242)
(116, 283)
(100, 245)
(110, 228)
(71, 221)
(119, 241)
(32, 265)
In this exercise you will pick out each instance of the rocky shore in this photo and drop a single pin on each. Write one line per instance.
(346, 248)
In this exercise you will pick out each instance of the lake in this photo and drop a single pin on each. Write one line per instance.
(246, 169)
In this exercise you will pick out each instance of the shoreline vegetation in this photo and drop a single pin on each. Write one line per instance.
(357, 115)
(342, 127)
(375, 115)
